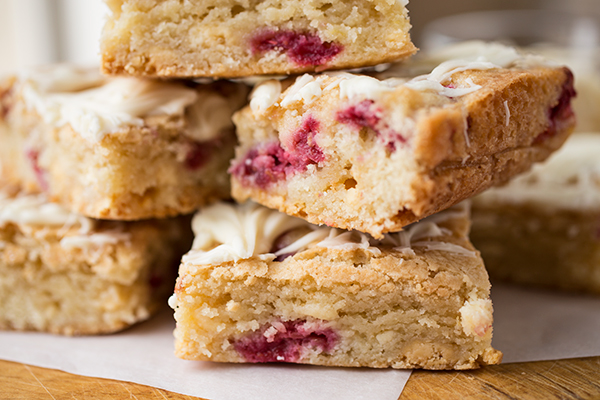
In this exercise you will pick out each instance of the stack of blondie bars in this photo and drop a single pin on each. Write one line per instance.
(94, 174)
(349, 245)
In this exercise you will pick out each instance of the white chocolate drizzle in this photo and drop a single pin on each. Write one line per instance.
(264, 96)
(472, 56)
(429, 228)
(36, 210)
(305, 89)
(94, 239)
(441, 74)
(364, 86)
(225, 233)
(29, 211)
(507, 113)
(95, 106)
(208, 116)
(569, 179)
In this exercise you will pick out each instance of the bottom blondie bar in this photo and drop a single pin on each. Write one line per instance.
(261, 286)
(67, 274)
(543, 228)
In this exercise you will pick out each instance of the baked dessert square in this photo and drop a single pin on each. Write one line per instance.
(261, 286)
(375, 154)
(543, 228)
(67, 274)
(234, 38)
(117, 148)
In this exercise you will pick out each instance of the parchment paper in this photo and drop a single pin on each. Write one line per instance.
(144, 354)
(536, 325)
(530, 325)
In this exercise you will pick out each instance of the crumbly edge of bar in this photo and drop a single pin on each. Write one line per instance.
(423, 178)
(70, 304)
(99, 288)
(213, 39)
(360, 296)
(533, 246)
(119, 169)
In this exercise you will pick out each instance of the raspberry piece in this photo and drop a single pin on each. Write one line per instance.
(198, 155)
(40, 173)
(562, 112)
(302, 48)
(285, 342)
(367, 115)
(270, 163)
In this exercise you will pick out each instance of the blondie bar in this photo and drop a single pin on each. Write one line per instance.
(120, 148)
(375, 154)
(543, 228)
(64, 273)
(235, 38)
(261, 286)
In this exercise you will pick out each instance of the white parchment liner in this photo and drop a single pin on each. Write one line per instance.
(530, 325)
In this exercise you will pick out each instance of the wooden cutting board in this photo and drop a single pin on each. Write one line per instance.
(564, 379)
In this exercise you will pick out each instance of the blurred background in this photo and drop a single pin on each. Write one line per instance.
(423, 12)
(41, 31)
(36, 32)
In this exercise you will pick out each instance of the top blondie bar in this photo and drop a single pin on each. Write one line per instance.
(234, 38)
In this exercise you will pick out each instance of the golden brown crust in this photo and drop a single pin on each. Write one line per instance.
(167, 66)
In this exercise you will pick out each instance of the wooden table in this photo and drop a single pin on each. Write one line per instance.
(564, 379)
